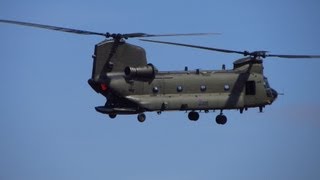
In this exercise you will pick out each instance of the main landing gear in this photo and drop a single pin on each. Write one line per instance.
(220, 119)
(141, 117)
(112, 116)
(193, 116)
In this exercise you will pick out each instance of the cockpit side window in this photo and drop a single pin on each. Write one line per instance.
(266, 83)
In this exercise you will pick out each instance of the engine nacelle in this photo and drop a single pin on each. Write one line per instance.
(142, 72)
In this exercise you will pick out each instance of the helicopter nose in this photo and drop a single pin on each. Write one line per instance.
(274, 94)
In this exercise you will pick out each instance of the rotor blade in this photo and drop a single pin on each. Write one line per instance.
(107, 35)
(186, 34)
(56, 28)
(292, 56)
(143, 35)
(194, 46)
(262, 54)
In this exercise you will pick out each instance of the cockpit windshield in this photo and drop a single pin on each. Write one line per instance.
(266, 83)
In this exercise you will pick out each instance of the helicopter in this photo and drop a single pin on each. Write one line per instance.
(131, 85)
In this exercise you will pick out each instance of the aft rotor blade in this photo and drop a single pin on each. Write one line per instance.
(262, 54)
(195, 46)
(293, 56)
(56, 28)
(107, 35)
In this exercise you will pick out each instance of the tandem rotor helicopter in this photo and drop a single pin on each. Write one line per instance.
(131, 85)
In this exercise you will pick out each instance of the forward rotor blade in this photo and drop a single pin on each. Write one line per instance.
(293, 56)
(143, 35)
(262, 54)
(186, 34)
(194, 46)
(56, 28)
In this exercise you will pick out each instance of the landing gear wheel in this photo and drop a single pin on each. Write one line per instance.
(193, 116)
(112, 116)
(141, 117)
(221, 119)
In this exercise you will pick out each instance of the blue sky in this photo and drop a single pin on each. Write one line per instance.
(50, 130)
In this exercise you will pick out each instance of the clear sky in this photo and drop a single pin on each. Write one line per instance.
(50, 130)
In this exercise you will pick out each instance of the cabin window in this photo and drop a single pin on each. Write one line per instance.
(226, 87)
(250, 88)
(179, 88)
(155, 89)
(203, 88)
